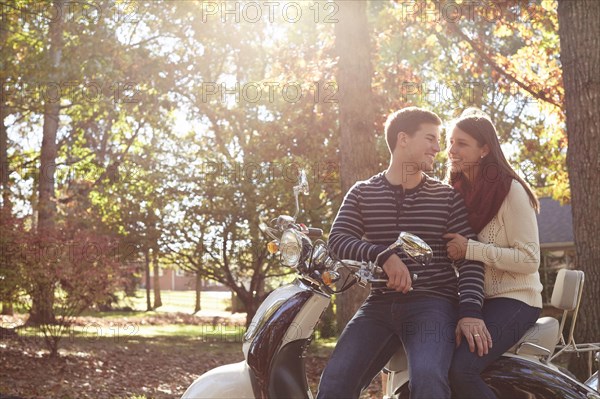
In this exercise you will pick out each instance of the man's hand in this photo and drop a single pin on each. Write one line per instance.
(398, 274)
(456, 247)
(476, 334)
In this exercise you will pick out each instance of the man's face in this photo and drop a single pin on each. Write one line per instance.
(422, 147)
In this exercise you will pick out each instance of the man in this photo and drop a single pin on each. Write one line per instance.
(371, 217)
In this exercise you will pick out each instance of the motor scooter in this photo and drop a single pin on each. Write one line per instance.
(276, 341)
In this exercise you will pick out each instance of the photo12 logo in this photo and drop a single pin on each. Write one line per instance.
(48, 12)
(321, 172)
(456, 94)
(269, 92)
(74, 91)
(486, 11)
(269, 11)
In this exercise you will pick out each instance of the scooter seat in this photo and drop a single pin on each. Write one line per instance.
(398, 361)
(544, 334)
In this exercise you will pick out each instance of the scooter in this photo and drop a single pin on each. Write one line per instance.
(277, 339)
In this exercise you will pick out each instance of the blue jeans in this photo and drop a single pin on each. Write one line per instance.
(507, 320)
(425, 325)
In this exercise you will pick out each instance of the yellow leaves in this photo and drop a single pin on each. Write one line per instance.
(431, 41)
(503, 31)
(549, 5)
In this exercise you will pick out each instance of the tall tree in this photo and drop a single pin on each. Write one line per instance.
(579, 32)
(42, 301)
(4, 169)
(5, 208)
(358, 156)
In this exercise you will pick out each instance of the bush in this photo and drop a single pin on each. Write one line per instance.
(78, 268)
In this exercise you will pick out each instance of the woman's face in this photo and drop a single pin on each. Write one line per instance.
(464, 153)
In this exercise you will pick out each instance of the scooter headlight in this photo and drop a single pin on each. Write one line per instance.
(290, 247)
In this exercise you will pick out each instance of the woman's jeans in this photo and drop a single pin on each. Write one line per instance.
(507, 320)
(425, 325)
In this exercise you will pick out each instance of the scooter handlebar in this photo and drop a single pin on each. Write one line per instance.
(313, 232)
(379, 284)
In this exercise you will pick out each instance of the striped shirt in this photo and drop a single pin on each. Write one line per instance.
(373, 214)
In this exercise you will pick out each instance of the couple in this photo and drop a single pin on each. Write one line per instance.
(483, 223)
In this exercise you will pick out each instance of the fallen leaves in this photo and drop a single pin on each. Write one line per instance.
(156, 367)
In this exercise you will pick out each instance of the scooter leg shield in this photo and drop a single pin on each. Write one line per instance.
(225, 382)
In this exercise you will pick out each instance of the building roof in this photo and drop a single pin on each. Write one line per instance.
(555, 222)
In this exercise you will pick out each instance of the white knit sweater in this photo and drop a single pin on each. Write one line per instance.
(510, 250)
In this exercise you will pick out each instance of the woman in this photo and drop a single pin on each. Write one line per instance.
(502, 210)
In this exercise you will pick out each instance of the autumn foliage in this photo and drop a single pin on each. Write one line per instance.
(83, 268)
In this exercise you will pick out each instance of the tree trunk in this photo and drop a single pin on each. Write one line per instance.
(5, 210)
(4, 167)
(251, 304)
(43, 293)
(197, 308)
(147, 268)
(579, 33)
(156, 266)
(327, 323)
(358, 158)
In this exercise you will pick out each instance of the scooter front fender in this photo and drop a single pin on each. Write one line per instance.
(224, 382)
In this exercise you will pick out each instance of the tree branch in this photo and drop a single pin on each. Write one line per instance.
(487, 58)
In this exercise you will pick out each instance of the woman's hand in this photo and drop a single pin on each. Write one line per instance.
(476, 333)
(456, 247)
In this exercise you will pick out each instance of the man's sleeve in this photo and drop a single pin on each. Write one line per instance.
(470, 273)
(347, 232)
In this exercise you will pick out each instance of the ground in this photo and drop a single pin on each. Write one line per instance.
(143, 356)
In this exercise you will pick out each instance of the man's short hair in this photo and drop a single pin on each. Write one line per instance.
(407, 120)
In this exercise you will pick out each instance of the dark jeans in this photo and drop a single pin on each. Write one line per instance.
(507, 320)
(425, 325)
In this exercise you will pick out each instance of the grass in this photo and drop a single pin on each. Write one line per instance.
(205, 333)
(172, 301)
(122, 326)
(131, 330)
(181, 301)
(220, 333)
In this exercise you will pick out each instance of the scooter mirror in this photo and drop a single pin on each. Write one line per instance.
(302, 187)
(416, 248)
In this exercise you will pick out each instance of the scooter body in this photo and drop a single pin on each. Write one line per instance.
(224, 382)
(274, 348)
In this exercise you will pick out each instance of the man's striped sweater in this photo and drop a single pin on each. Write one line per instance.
(373, 214)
